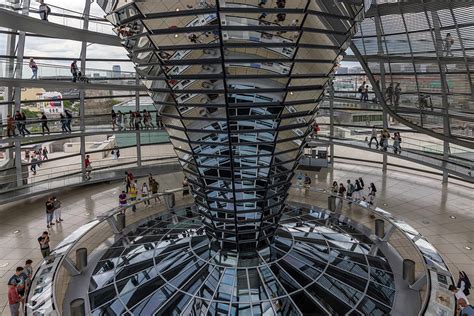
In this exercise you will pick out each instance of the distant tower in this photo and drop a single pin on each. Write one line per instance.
(116, 71)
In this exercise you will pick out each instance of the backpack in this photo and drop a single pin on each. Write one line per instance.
(350, 188)
(360, 90)
(48, 10)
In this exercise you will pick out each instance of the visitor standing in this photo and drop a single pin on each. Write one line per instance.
(145, 194)
(397, 140)
(372, 192)
(129, 178)
(397, 93)
(159, 120)
(448, 43)
(350, 190)
(44, 10)
(49, 212)
(357, 190)
(464, 283)
(133, 191)
(458, 293)
(74, 71)
(44, 123)
(361, 91)
(14, 300)
(123, 199)
(361, 181)
(120, 120)
(114, 119)
(18, 123)
(57, 209)
(34, 68)
(43, 240)
(10, 126)
(88, 167)
(335, 188)
(185, 186)
(464, 308)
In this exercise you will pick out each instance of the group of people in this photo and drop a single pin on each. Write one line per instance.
(18, 287)
(134, 120)
(392, 94)
(461, 291)
(36, 157)
(354, 191)
(383, 139)
(19, 122)
(53, 211)
(132, 191)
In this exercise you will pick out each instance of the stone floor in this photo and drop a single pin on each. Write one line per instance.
(418, 198)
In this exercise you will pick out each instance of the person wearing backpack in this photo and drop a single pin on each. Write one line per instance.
(464, 284)
(44, 10)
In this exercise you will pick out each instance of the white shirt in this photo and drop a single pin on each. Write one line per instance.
(460, 294)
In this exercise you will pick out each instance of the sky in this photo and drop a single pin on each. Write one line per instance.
(37, 46)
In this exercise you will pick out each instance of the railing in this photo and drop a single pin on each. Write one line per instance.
(52, 278)
(63, 72)
(406, 240)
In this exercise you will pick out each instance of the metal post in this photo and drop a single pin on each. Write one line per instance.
(332, 203)
(121, 221)
(77, 307)
(409, 270)
(379, 228)
(85, 26)
(378, 30)
(138, 134)
(170, 200)
(81, 259)
(331, 123)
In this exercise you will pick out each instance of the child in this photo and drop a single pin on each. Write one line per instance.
(122, 199)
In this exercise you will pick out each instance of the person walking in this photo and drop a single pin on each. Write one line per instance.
(114, 119)
(88, 167)
(372, 192)
(74, 71)
(123, 199)
(448, 43)
(44, 123)
(10, 126)
(44, 10)
(34, 68)
(63, 121)
(49, 212)
(68, 120)
(373, 136)
(23, 123)
(14, 300)
(145, 194)
(397, 93)
(159, 120)
(43, 240)
(18, 123)
(45, 153)
(34, 162)
(154, 190)
(57, 209)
